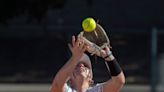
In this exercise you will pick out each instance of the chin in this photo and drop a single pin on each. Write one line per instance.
(82, 75)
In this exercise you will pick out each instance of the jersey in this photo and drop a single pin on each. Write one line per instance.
(96, 88)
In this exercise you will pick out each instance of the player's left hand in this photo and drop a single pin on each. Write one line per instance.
(105, 52)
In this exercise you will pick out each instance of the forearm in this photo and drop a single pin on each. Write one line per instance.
(117, 81)
(64, 73)
(115, 69)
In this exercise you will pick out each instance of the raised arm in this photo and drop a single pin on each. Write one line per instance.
(77, 48)
(117, 81)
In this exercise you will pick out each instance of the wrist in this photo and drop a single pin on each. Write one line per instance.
(109, 56)
(114, 67)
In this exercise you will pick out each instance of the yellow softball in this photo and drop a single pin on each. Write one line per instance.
(89, 24)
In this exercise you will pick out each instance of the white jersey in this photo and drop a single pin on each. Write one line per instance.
(96, 88)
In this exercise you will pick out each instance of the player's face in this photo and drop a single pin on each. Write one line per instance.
(82, 70)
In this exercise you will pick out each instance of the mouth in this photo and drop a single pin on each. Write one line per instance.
(81, 69)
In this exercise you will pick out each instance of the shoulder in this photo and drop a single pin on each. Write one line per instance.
(96, 88)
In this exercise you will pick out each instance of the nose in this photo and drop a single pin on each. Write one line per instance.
(81, 65)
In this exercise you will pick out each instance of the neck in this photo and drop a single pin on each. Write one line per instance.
(82, 87)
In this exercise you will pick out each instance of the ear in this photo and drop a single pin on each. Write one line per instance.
(91, 82)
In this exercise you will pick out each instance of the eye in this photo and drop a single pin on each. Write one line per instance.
(86, 65)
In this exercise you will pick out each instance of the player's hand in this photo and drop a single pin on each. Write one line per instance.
(105, 52)
(78, 47)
